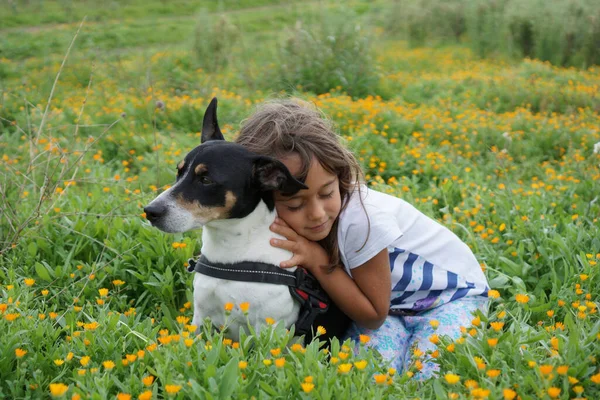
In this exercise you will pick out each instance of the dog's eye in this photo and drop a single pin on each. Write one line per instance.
(205, 180)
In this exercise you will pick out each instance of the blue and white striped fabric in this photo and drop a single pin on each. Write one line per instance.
(420, 285)
(430, 265)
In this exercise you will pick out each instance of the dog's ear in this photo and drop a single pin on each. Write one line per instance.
(272, 174)
(210, 125)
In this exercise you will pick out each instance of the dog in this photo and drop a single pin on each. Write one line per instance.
(227, 191)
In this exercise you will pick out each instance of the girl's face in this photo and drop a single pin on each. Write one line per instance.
(310, 212)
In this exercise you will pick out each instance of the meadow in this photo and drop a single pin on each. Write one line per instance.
(99, 103)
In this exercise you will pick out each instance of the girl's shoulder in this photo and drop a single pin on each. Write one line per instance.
(366, 227)
(374, 203)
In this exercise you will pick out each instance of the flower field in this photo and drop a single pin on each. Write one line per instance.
(95, 303)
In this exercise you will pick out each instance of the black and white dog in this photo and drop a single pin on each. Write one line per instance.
(228, 191)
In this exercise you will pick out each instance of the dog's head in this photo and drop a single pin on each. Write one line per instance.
(218, 180)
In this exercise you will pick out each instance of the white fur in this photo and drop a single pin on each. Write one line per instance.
(234, 240)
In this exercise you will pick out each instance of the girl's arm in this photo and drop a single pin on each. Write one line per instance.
(365, 299)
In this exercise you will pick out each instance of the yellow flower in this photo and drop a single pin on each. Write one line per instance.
(480, 363)
(450, 347)
(380, 378)
(434, 339)
(471, 384)
(452, 378)
(492, 342)
(595, 378)
(108, 364)
(434, 323)
(418, 365)
(334, 360)
(29, 281)
(12, 316)
(20, 353)
(269, 321)
(546, 369)
(172, 389)
(123, 396)
(392, 371)
(244, 307)
(493, 373)
(307, 387)
(228, 307)
(493, 294)
(360, 365)
(58, 389)
(103, 292)
(497, 326)
(148, 380)
(476, 321)
(181, 319)
(364, 339)
(480, 393)
(267, 362)
(85, 360)
(344, 368)
(321, 330)
(59, 362)
(562, 369)
(296, 347)
(275, 352)
(280, 362)
(509, 394)
(147, 395)
(522, 298)
(553, 392)
(242, 364)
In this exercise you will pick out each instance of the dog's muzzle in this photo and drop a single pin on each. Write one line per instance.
(154, 212)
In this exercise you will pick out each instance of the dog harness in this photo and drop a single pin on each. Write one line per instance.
(303, 286)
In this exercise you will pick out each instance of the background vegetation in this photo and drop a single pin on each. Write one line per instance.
(435, 99)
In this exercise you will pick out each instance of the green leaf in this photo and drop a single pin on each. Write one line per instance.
(228, 382)
(267, 388)
(43, 271)
(32, 249)
(440, 393)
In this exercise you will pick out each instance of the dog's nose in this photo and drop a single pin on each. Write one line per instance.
(154, 212)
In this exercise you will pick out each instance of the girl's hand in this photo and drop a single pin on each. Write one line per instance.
(307, 254)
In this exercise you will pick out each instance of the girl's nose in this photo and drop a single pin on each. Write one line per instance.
(316, 213)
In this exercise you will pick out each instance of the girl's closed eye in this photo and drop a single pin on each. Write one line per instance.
(328, 195)
(295, 208)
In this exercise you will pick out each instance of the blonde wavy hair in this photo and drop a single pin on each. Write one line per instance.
(281, 127)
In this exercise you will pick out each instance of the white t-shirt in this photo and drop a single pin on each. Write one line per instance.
(430, 264)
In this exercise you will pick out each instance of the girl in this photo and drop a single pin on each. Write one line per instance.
(389, 267)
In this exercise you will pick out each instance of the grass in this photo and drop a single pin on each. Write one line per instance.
(96, 304)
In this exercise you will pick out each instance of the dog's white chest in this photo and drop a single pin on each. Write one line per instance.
(265, 300)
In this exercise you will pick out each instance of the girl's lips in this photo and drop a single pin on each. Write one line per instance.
(319, 228)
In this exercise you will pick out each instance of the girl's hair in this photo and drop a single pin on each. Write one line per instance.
(281, 127)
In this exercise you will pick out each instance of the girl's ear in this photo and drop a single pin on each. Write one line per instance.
(271, 174)
(210, 125)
